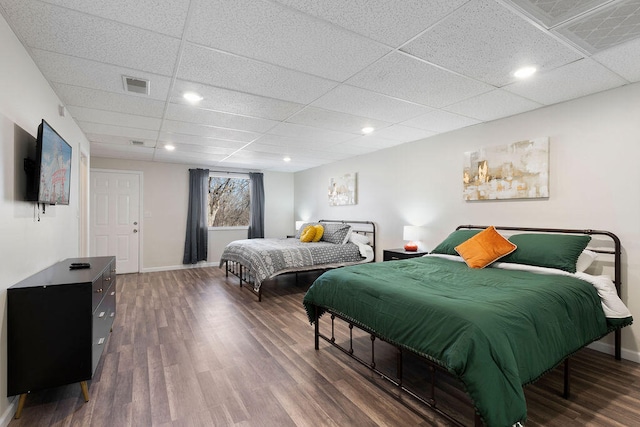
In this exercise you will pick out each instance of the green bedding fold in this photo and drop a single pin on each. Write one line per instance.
(495, 330)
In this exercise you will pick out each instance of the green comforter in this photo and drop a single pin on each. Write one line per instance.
(495, 330)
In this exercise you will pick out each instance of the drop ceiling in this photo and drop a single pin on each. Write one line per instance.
(301, 78)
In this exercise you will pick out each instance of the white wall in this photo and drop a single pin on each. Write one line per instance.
(27, 245)
(594, 182)
(165, 195)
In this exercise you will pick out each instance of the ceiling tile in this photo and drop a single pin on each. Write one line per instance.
(75, 71)
(297, 153)
(231, 101)
(168, 19)
(166, 137)
(118, 140)
(370, 143)
(341, 122)
(173, 126)
(388, 22)
(65, 31)
(162, 155)
(571, 81)
(404, 77)
(293, 142)
(364, 103)
(622, 59)
(279, 35)
(441, 121)
(493, 105)
(219, 69)
(552, 12)
(113, 118)
(192, 114)
(311, 134)
(488, 42)
(116, 130)
(402, 133)
(122, 152)
(100, 100)
(609, 26)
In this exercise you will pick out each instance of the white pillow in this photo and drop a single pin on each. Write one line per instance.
(585, 259)
(359, 238)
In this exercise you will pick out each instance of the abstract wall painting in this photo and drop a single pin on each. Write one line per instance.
(519, 170)
(342, 190)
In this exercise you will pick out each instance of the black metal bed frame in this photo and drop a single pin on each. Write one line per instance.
(243, 273)
(434, 367)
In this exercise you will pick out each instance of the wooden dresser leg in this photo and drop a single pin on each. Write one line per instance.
(21, 401)
(85, 390)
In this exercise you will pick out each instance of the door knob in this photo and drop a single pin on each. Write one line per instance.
(135, 230)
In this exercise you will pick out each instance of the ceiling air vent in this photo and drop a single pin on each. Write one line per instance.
(135, 85)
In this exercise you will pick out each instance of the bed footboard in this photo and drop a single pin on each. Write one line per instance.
(243, 274)
(434, 370)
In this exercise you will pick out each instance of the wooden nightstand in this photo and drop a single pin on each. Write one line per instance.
(400, 253)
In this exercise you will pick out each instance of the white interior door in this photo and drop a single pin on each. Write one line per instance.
(115, 218)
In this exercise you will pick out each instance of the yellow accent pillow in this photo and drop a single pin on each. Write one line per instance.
(319, 232)
(308, 233)
(484, 248)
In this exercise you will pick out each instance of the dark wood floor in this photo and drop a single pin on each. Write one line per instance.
(190, 348)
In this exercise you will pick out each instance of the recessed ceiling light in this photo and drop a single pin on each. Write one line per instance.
(367, 129)
(286, 159)
(192, 97)
(169, 147)
(524, 72)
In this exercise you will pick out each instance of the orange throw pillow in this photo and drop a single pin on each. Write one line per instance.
(484, 248)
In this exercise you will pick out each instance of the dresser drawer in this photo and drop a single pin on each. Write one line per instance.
(101, 285)
(103, 318)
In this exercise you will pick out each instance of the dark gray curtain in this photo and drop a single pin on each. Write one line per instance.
(195, 245)
(256, 217)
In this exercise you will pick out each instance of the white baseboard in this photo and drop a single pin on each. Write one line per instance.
(8, 414)
(180, 267)
(602, 347)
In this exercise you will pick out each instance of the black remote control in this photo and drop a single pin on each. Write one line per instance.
(79, 265)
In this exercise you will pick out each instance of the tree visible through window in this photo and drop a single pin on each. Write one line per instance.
(228, 202)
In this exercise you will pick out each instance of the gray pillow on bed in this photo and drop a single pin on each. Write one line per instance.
(336, 233)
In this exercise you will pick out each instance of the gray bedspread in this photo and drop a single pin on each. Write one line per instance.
(266, 258)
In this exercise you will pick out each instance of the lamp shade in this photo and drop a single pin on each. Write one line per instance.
(412, 233)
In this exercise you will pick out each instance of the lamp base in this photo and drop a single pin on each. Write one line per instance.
(411, 247)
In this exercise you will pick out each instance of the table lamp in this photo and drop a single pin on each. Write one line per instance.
(412, 234)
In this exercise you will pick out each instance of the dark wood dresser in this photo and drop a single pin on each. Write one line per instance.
(58, 322)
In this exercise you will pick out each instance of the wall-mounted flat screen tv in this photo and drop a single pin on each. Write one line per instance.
(52, 167)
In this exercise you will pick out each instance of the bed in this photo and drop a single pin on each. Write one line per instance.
(493, 329)
(343, 243)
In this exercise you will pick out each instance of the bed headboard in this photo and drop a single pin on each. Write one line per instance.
(367, 228)
(605, 243)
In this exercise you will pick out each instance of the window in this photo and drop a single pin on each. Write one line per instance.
(229, 201)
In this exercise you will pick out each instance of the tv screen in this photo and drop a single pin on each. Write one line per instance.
(54, 164)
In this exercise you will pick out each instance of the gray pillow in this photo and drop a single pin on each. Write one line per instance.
(336, 233)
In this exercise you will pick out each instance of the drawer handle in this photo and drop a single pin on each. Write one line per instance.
(101, 314)
(99, 290)
(101, 341)
(107, 279)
